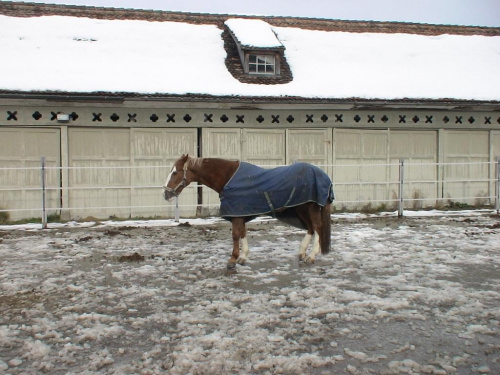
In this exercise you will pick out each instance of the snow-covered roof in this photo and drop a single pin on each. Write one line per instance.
(253, 33)
(84, 55)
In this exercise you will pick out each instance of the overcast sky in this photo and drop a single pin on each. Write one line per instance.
(457, 12)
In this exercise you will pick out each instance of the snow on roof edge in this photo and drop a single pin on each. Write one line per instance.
(253, 33)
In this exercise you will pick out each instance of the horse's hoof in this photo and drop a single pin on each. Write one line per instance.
(242, 261)
(302, 257)
(231, 266)
(309, 260)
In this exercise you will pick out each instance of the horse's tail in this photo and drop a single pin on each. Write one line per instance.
(326, 229)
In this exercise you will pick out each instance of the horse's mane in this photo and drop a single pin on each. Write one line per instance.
(195, 162)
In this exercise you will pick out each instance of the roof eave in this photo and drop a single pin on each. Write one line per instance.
(354, 103)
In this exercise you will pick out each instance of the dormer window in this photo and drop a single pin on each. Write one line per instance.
(261, 64)
(258, 46)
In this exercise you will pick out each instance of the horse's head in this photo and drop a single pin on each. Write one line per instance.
(177, 179)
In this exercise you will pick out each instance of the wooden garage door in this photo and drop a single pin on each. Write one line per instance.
(120, 172)
(360, 171)
(99, 177)
(21, 150)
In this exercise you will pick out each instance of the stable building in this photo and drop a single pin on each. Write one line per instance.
(111, 97)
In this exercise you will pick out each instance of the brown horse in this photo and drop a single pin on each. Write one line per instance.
(216, 173)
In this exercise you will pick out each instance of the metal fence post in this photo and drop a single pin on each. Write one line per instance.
(497, 193)
(401, 181)
(44, 201)
(177, 214)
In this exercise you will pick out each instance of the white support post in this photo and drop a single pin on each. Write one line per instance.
(401, 182)
(177, 214)
(497, 187)
(44, 201)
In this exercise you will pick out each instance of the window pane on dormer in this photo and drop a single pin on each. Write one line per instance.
(261, 64)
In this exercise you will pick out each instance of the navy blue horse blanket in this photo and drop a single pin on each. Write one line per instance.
(254, 191)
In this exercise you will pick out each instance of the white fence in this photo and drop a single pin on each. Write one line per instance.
(78, 192)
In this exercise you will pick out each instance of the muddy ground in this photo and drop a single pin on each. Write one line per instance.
(395, 296)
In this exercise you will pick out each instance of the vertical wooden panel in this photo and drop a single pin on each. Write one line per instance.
(419, 149)
(222, 143)
(154, 151)
(21, 189)
(309, 145)
(495, 145)
(494, 158)
(264, 146)
(360, 171)
(465, 148)
(99, 177)
(12, 151)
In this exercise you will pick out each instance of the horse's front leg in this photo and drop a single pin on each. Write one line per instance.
(239, 234)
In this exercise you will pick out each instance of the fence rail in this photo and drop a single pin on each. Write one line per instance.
(397, 186)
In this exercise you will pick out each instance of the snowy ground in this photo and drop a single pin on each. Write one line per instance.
(416, 295)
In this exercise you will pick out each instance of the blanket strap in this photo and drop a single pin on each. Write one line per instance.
(291, 196)
(266, 194)
(270, 203)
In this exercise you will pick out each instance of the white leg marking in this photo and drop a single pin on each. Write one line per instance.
(303, 246)
(244, 251)
(315, 249)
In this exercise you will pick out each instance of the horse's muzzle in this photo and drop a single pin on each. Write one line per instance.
(168, 195)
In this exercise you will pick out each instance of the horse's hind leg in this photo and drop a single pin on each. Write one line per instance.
(315, 217)
(304, 245)
(309, 215)
(311, 257)
(239, 234)
(315, 249)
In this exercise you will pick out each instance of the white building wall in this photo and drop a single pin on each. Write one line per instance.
(125, 167)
